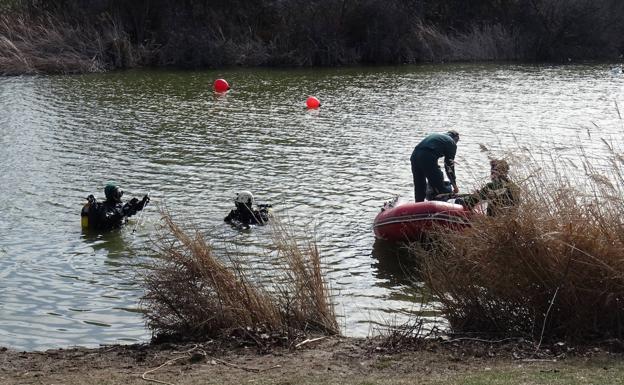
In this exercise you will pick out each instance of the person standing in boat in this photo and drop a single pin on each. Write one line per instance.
(425, 167)
(500, 192)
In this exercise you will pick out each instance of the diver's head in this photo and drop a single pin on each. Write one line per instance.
(454, 135)
(113, 193)
(244, 197)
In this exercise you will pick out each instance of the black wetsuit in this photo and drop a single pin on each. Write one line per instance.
(244, 215)
(109, 215)
(425, 167)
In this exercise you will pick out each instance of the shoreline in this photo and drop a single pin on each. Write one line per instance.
(614, 63)
(328, 360)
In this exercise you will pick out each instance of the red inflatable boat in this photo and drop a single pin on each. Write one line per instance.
(408, 221)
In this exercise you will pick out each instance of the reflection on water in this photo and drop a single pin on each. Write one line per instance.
(111, 243)
(394, 266)
(63, 137)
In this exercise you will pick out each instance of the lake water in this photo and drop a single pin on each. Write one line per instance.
(64, 137)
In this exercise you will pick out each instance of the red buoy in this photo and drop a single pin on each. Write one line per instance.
(221, 85)
(313, 102)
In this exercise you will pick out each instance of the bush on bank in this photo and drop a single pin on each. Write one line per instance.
(192, 294)
(200, 33)
(551, 269)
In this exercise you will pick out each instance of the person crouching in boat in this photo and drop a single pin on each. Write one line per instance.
(500, 192)
(424, 160)
(112, 213)
(246, 212)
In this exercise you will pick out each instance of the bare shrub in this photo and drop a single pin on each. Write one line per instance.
(480, 43)
(575, 28)
(192, 294)
(207, 46)
(395, 336)
(551, 268)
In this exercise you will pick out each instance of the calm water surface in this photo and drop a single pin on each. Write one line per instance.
(62, 138)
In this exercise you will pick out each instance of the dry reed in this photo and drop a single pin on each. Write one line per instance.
(192, 294)
(303, 293)
(35, 46)
(478, 44)
(551, 268)
(47, 44)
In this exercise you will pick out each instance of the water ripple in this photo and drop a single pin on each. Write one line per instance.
(63, 138)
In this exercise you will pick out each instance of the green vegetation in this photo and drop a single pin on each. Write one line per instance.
(200, 33)
(550, 269)
(569, 373)
(191, 294)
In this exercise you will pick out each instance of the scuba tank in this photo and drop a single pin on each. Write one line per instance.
(84, 213)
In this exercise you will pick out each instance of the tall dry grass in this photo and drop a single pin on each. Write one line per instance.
(47, 44)
(481, 43)
(551, 268)
(191, 293)
(302, 292)
(31, 47)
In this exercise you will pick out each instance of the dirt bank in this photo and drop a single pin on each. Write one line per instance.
(329, 361)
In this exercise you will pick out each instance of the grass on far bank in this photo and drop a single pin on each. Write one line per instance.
(550, 269)
(86, 35)
(47, 44)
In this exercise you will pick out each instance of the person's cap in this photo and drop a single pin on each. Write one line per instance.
(499, 165)
(453, 134)
(113, 192)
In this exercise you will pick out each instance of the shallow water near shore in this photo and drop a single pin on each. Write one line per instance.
(330, 170)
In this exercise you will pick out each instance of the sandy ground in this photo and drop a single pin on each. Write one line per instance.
(327, 361)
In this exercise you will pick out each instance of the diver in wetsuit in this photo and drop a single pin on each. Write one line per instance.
(425, 167)
(245, 214)
(112, 213)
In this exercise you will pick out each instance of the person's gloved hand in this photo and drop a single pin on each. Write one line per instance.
(134, 201)
(91, 198)
(145, 200)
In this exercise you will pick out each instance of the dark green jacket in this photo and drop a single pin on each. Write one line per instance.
(441, 145)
